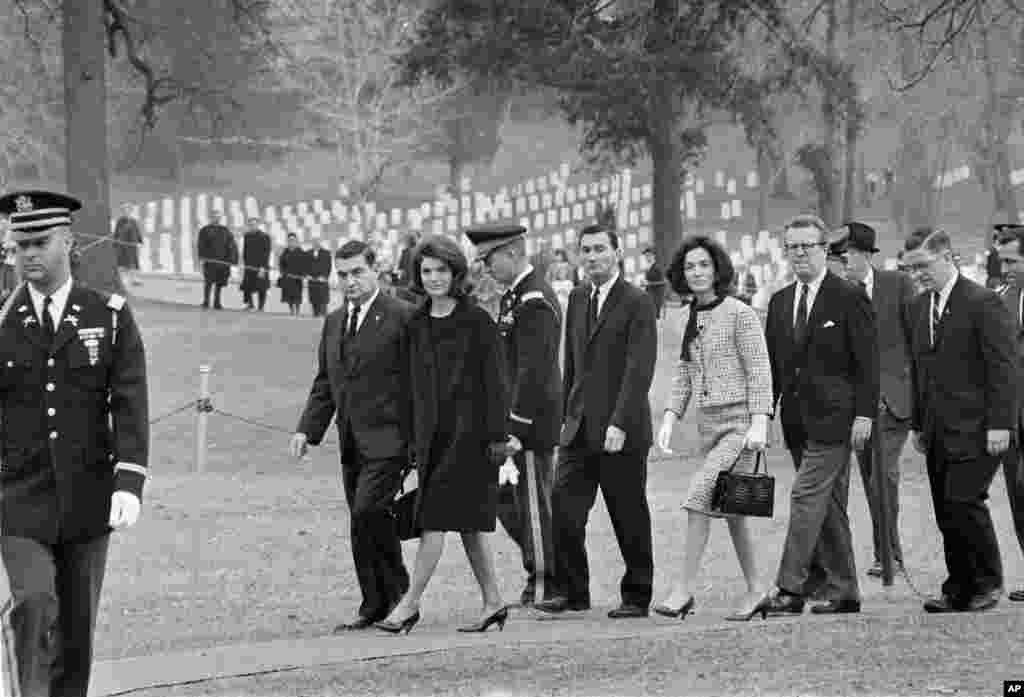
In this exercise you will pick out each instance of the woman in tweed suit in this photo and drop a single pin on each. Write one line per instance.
(723, 367)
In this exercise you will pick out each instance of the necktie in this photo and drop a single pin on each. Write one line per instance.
(800, 327)
(353, 320)
(936, 317)
(592, 310)
(48, 319)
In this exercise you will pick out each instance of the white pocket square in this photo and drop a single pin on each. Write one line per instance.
(828, 324)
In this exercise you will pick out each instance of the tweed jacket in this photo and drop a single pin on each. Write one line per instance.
(730, 361)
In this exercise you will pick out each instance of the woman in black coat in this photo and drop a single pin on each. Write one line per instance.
(459, 412)
(293, 266)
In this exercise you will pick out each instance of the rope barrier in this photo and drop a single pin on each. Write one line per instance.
(184, 407)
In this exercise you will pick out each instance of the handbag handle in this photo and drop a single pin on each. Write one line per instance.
(761, 457)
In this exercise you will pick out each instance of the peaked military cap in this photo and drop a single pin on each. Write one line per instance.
(487, 238)
(860, 236)
(31, 213)
(1008, 227)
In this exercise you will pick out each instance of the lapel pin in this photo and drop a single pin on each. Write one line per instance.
(23, 308)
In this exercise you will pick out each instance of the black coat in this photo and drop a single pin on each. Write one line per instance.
(218, 252)
(256, 246)
(834, 376)
(59, 468)
(530, 325)
(459, 482)
(293, 265)
(609, 370)
(319, 268)
(129, 237)
(361, 382)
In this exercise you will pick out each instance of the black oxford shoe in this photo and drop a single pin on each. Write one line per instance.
(943, 603)
(785, 604)
(985, 601)
(627, 611)
(355, 625)
(836, 607)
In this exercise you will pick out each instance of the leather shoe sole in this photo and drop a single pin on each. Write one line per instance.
(559, 605)
(627, 612)
(940, 605)
(355, 625)
(1017, 596)
(836, 607)
(984, 601)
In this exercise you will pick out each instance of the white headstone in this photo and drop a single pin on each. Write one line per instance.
(252, 208)
(730, 187)
(645, 214)
(166, 254)
(546, 201)
(722, 237)
(726, 210)
(737, 208)
(552, 217)
(752, 179)
(719, 179)
(699, 187)
(691, 204)
(538, 221)
(634, 218)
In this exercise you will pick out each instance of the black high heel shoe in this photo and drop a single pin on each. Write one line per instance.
(499, 618)
(681, 612)
(761, 606)
(405, 625)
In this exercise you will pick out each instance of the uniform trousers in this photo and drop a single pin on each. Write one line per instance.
(1013, 474)
(819, 547)
(525, 512)
(622, 478)
(370, 487)
(893, 433)
(959, 489)
(55, 593)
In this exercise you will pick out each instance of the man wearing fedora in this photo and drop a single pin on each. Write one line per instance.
(74, 442)
(530, 324)
(891, 294)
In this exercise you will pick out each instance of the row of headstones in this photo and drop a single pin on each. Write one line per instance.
(963, 173)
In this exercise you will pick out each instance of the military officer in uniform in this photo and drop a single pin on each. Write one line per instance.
(74, 439)
(530, 324)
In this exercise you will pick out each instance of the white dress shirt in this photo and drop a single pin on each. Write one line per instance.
(869, 283)
(58, 300)
(813, 286)
(519, 279)
(363, 308)
(603, 289)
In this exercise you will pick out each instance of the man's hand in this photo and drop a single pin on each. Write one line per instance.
(757, 434)
(514, 445)
(860, 433)
(998, 441)
(124, 509)
(614, 439)
(298, 446)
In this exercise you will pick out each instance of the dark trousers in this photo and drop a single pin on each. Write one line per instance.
(370, 487)
(525, 512)
(55, 592)
(819, 548)
(1013, 473)
(261, 297)
(893, 434)
(207, 285)
(622, 478)
(959, 490)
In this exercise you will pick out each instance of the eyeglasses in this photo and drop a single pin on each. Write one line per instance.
(802, 247)
(919, 266)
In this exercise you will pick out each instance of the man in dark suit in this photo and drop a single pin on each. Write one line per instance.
(217, 251)
(963, 371)
(75, 442)
(360, 383)
(891, 294)
(256, 246)
(1011, 251)
(530, 324)
(319, 271)
(610, 349)
(821, 341)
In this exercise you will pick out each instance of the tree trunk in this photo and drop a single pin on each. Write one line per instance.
(780, 176)
(830, 205)
(996, 132)
(764, 175)
(852, 134)
(87, 166)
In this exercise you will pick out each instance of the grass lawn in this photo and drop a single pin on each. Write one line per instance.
(256, 548)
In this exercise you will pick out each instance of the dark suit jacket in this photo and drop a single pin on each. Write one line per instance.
(363, 381)
(1011, 298)
(530, 325)
(967, 384)
(833, 377)
(608, 372)
(891, 299)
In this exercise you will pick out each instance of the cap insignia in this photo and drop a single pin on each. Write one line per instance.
(24, 204)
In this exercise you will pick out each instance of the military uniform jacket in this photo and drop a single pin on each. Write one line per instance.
(74, 417)
(530, 324)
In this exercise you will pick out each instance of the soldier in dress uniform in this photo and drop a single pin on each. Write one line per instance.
(74, 439)
(530, 324)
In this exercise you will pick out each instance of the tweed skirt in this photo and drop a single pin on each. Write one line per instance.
(722, 431)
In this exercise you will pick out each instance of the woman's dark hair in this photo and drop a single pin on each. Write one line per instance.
(724, 271)
(445, 250)
(561, 255)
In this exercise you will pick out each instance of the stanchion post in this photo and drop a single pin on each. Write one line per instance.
(203, 408)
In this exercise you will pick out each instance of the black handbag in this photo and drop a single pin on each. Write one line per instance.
(403, 509)
(740, 493)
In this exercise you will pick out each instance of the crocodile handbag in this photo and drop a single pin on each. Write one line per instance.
(742, 493)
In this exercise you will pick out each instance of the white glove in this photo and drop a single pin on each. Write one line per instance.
(515, 444)
(508, 473)
(124, 509)
(668, 422)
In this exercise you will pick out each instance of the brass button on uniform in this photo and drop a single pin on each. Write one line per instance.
(51, 411)
(53, 435)
(49, 387)
(50, 363)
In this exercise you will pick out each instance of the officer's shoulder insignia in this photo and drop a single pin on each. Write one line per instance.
(115, 302)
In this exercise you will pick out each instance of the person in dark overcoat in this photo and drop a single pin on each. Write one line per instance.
(530, 327)
(256, 246)
(319, 272)
(459, 413)
(292, 266)
(74, 442)
(129, 238)
(217, 251)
